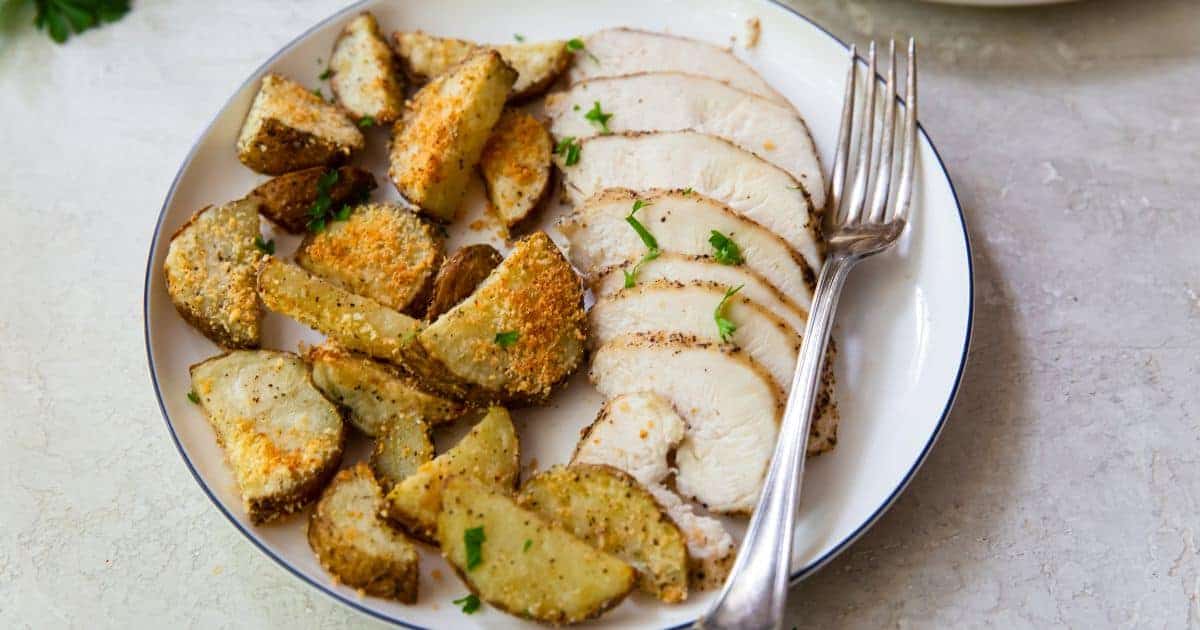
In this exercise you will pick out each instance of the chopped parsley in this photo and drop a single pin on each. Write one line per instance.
(266, 247)
(576, 108)
(366, 121)
(469, 603)
(568, 148)
(688, 190)
(726, 251)
(527, 545)
(194, 398)
(575, 45)
(343, 213)
(324, 76)
(319, 93)
(318, 212)
(519, 37)
(506, 338)
(599, 118)
(724, 326)
(60, 18)
(648, 239)
(473, 539)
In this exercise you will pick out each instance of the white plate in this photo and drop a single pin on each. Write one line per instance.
(904, 325)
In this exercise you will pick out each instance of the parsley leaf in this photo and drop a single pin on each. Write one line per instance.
(598, 118)
(727, 252)
(193, 397)
(647, 239)
(266, 247)
(366, 121)
(473, 538)
(344, 213)
(317, 213)
(61, 18)
(575, 45)
(725, 326)
(469, 603)
(527, 545)
(316, 226)
(519, 37)
(506, 338)
(688, 190)
(569, 148)
(324, 76)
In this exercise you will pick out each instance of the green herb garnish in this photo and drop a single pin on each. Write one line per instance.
(727, 252)
(506, 338)
(569, 148)
(61, 18)
(575, 45)
(648, 240)
(599, 118)
(319, 93)
(318, 212)
(194, 398)
(366, 121)
(473, 538)
(527, 545)
(343, 213)
(688, 190)
(266, 247)
(469, 603)
(324, 76)
(519, 37)
(724, 326)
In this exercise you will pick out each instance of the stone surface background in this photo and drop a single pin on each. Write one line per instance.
(1064, 492)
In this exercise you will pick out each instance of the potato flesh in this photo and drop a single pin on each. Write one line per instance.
(365, 78)
(537, 64)
(555, 577)
(516, 165)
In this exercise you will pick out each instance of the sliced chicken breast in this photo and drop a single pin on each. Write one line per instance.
(749, 185)
(620, 51)
(674, 101)
(730, 403)
(687, 269)
(683, 222)
(636, 433)
(688, 309)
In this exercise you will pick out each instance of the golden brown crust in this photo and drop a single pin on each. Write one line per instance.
(459, 275)
(289, 128)
(286, 199)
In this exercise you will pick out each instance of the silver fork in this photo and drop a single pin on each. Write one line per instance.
(756, 590)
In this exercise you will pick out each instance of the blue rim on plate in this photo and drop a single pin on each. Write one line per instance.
(794, 578)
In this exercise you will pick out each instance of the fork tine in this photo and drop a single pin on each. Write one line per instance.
(904, 192)
(837, 181)
(883, 173)
(866, 137)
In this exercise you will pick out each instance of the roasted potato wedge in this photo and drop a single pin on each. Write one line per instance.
(518, 335)
(489, 454)
(440, 138)
(209, 270)
(516, 165)
(358, 547)
(518, 562)
(281, 437)
(289, 128)
(355, 322)
(538, 64)
(286, 200)
(380, 251)
(366, 78)
(612, 511)
(459, 275)
(375, 395)
(400, 449)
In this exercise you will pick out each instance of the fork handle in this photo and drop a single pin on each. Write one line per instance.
(756, 590)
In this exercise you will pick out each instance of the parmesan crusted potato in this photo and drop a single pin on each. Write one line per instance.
(375, 395)
(519, 563)
(516, 165)
(380, 251)
(366, 79)
(400, 449)
(210, 273)
(489, 454)
(356, 322)
(289, 128)
(518, 335)
(439, 140)
(281, 437)
(459, 275)
(538, 64)
(358, 547)
(286, 200)
(612, 511)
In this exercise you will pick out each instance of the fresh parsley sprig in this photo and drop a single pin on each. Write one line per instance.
(266, 247)
(318, 213)
(473, 539)
(506, 338)
(648, 240)
(469, 603)
(726, 251)
(599, 118)
(725, 326)
(61, 18)
(568, 148)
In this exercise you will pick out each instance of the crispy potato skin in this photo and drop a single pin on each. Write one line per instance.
(285, 200)
(459, 275)
(356, 546)
(538, 64)
(611, 510)
(490, 454)
(381, 251)
(209, 267)
(247, 396)
(366, 80)
(439, 140)
(516, 165)
(289, 128)
(556, 578)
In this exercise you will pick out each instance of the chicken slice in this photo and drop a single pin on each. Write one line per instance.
(620, 51)
(674, 101)
(749, 185)
(683, 222)
(730, 403)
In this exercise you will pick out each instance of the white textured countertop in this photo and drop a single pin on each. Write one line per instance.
(1065, 490)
